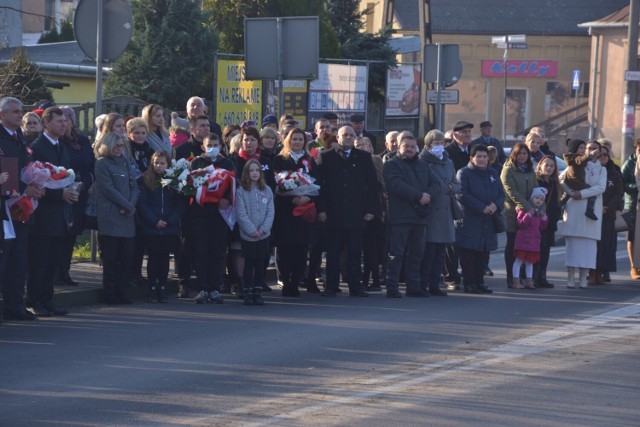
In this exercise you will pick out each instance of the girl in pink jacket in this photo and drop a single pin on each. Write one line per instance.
(527, 244)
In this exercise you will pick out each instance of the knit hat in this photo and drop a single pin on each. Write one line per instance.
(573, 145)
(538, 191)
(269, 118)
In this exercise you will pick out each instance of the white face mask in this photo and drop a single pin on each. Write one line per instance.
(437, 150)
(213, 151)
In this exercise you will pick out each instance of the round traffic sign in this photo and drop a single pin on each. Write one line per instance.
(117, 27)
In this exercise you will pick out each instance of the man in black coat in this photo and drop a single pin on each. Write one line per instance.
(458, 150)
(488, 140)
(411, 185)
(46, 235)
(357, 124)
(13, 263)
(348, 198)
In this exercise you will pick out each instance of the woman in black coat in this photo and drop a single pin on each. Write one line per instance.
(292, 232)
(547, 176)
(611, 201)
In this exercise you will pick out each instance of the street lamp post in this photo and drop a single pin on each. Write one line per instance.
(517, 41)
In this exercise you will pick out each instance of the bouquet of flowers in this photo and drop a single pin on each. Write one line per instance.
(296, 183)
(177, 175)
(47, 175)
(43, 174)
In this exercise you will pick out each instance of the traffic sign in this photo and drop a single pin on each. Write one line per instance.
(632, 76)
(576, 80)
(447, 96)
(503, 45)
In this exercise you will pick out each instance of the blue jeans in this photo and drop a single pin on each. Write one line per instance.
(410, 240)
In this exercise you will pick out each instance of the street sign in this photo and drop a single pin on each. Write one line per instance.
(576, 80)
(503, 45)
(632, 76)
(450, 63)
(499, 39)
(447, 96)
(517, 38)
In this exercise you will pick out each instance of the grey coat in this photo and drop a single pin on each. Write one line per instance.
(255, 211)
(440, 227)
(115, 189)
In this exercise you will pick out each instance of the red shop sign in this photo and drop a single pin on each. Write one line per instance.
(533, 68)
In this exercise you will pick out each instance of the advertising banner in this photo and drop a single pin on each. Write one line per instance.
(403, 90)
(295, 99)
(237, 99)
(529, 68)
(341, 89)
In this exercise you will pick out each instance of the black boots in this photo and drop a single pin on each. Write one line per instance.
(252, 296)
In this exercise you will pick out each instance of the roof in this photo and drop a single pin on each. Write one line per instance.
(619, 18)
(57, 58)
(530, 17)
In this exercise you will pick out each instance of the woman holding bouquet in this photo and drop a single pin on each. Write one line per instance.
(291, 231)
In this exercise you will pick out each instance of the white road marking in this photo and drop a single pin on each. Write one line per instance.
(583, 332)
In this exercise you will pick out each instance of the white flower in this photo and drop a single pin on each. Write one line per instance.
(183, 175)
(165, 181)
(182, 164)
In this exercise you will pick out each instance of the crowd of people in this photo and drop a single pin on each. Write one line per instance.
(416, 213)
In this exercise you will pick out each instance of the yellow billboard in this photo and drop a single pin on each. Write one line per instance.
(237, 99)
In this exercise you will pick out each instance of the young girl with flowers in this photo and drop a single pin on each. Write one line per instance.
(255, 212)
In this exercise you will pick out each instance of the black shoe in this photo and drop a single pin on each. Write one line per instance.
(312, 288)
(138, 281)
(328, 293)
(65, 279)
(420, 293)
(437, 292)
(290, 291)
(247, 298)
(39, 311)
(112, 300)
(374, 288)
(488, 271)
(591, 215)
(20, 314)
(153, 295)
(393, 293)
(123, 299)
(257, 296)
(358, 294)
(606, 277)
(451, 286)
(54, 310)
(544, 284)
(471, 290)
(484, 289)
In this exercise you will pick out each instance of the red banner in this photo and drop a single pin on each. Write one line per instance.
(532, 68)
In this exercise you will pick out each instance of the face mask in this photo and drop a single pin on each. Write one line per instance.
(437, 150)
(213, 151)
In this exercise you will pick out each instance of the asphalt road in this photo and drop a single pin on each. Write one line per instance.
(552, 357)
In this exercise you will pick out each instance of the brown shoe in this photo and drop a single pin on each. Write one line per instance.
(529, 284)
(592, 277)
(597, 275)
(635, 273)
(516, 283)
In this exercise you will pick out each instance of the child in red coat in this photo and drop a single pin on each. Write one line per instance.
(527, 244)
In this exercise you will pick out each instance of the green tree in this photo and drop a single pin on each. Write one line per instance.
(21, 79)
(348, 23)
(66, 31)
(228, 17)
(50, 37)
(170, 56)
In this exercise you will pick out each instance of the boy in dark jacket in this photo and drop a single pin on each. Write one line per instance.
(577, 160)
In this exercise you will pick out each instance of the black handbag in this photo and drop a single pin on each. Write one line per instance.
(498, 222)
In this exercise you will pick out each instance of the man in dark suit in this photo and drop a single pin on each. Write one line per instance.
(486, 139)
(13, 263)
(348, 198)
(46, 236)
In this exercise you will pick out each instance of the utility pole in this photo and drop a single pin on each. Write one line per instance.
(629, 109)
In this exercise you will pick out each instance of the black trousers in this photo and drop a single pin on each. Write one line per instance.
(473, 265)
(406, 247)
(43, 261)
(547, 241)
(373, 244)
(159, 248)
(451, 265)
(207, 237)
(432, 265)
(352, 240)
(253, 272)
(116, 263)
(67, 253)
(291, 262)
(139, 246)
(13, 267)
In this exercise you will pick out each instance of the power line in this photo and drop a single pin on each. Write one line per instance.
(27, 13)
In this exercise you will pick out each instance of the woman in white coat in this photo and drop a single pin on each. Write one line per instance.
(582, 233)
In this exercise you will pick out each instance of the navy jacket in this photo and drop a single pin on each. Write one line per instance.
(478, 189)
(163, 203)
